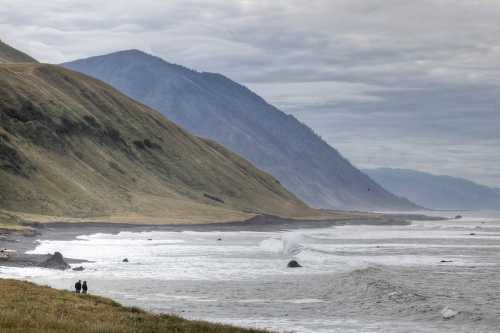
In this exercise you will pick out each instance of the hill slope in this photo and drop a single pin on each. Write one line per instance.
(437, 192)
(72, 145)
(26, 307)
(9, 54)
(215, 107)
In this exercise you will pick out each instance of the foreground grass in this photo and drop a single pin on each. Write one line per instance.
(26, 307)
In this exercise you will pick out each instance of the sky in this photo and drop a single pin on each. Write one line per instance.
(389, 83)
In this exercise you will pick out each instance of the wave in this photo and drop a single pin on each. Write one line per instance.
(290, 244)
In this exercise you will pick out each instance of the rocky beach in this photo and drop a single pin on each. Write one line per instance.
(357, 276)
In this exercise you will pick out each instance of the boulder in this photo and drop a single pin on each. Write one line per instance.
(55, 261)
(125, 260)
(448, 313)
(293, 264)
(458, 217)
(79, 268)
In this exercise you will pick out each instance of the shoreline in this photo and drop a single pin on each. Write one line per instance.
(359, 289)
(22, 242)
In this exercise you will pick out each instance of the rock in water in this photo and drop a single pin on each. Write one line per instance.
(79, 268)
(458, 217)
(448, 313)
(125, 260)
(55, 261)
(293, 264)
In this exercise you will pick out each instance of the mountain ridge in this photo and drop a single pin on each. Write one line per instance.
(437, 191)
(215, 107)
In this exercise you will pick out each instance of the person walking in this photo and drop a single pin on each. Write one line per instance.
(78, 286)
(84, 287)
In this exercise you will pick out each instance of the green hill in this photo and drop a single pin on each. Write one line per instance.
(26, 308)
(9, 54)
(71, 145)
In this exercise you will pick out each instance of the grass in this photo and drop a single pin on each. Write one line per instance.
(74, 149)
(26, 307)
(73, 146)
(10, 222)
(9, 54)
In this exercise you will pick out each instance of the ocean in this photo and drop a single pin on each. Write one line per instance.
(354, 278)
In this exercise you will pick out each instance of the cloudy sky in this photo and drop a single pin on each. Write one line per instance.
(396, 83)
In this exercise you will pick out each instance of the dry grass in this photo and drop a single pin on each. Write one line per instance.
(10, 55)
(10, 222)
(74, 146)
(26, 307)
(197, 215)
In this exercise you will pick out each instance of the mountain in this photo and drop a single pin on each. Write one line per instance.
(212, 106)
(437, 192)
(71, 145)
(9, 54)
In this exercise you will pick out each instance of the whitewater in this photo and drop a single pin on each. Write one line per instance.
(355, 278)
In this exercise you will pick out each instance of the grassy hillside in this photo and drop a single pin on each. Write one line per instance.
(9, 54)
(71, 145)
(213, 106)
(25, 307)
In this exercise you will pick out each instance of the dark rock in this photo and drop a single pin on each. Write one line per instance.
(79, 268)
(219, 239)
(293, 264)
(458, 217)
(125, 260)
(472, 234)
(150, 239)
(446, 261)
(448, 313)
(212, 197)
(55, 261)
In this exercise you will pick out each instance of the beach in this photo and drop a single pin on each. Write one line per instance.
(357, 276)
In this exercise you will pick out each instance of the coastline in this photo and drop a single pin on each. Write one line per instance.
(242, 275)
(23, 242)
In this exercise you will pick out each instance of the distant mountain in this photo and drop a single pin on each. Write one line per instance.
(71, 145)
(9, 54)
(212, 106)
(437, 192)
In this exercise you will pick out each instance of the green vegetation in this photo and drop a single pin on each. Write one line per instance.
(73, 146)
(9, 222)
(9, 54)
(26, 307)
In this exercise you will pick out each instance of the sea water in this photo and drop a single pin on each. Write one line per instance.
(355, 278)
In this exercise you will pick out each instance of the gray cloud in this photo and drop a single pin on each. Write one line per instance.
(410, 84)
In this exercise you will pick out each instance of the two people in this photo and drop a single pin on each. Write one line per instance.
(79, 287)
